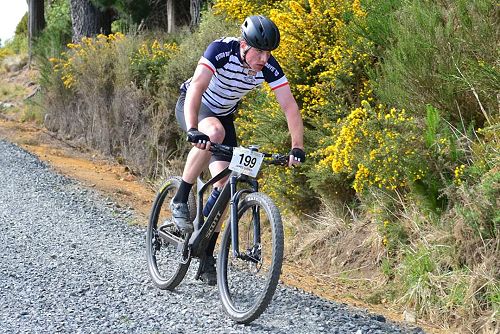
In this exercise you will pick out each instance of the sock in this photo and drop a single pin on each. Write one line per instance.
(183, 192)
(211, 244)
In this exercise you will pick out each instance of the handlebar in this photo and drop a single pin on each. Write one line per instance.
(272, 158)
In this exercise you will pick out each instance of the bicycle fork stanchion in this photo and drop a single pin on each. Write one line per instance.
(235, 199)
(234, 217)
(256, 217)
(256, 225)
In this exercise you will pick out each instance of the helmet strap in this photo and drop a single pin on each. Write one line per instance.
(244, 55)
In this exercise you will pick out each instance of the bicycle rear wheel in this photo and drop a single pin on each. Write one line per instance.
(247, 283)
(167, 265)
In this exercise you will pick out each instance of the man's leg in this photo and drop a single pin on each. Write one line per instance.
(215, 168)
(196, 162)
(208, 274)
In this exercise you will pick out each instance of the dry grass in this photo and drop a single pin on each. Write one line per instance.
(11, 91)
(337, 244)
(426, 273)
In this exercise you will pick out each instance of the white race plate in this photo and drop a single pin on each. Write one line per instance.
(245, 161)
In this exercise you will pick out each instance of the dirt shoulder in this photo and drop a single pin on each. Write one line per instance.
(116, 182)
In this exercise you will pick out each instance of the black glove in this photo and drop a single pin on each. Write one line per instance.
(298, 154)
(197, 137)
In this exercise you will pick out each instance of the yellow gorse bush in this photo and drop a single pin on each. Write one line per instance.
(325, 67)
(5, 52)
(74, 63)
(146, 62)
(62, 66)
(315, 52)
(153, 54)
(459, 172)
(239, 10)
(372, 146)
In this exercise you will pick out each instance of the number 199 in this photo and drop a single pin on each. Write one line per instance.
(247, 160)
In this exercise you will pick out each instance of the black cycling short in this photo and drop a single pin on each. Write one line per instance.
(226, 121)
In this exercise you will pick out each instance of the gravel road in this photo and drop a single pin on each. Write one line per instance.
(71, 262)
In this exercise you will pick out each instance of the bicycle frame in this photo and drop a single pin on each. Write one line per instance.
(197, 242)
(229, 194)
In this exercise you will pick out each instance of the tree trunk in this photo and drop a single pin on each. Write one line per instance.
(36, 22)
(195, 13)
(89, 21)
(171, 16)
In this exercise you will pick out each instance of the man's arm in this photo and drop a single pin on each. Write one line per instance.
(199, 83)
(292, 114)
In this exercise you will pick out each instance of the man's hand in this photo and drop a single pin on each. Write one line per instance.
(198, 139)
(297, 156)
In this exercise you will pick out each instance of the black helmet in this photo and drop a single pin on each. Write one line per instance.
(260, 32)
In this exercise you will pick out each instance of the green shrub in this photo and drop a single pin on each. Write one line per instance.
(57, 32)
(429, 52)
(149, 61)
(435, 287)
(22, 26)
(477, 206)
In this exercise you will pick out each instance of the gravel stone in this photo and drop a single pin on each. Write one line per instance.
(70, 263)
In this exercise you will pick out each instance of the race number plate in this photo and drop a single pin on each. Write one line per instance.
(245, 161)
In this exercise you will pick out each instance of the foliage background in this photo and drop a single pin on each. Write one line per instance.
(400, 104)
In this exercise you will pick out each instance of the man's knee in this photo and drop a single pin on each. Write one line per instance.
(214, 129)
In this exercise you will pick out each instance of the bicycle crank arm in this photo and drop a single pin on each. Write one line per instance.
(172, 239)
(248, 258)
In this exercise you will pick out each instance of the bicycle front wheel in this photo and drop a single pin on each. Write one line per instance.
(247, 282)
(167, 265)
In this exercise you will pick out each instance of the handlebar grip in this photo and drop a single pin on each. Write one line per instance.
(279, 159)
(221, 148)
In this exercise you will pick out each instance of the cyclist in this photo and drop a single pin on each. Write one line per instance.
(229, 68)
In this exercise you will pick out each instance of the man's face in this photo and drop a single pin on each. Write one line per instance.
(256, 58)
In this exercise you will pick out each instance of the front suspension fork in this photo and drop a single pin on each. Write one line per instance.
(235, 199)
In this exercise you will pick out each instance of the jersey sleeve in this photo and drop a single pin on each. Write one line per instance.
(273, 74)
(216, 55)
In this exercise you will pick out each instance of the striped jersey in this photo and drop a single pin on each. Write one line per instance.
(231, 80)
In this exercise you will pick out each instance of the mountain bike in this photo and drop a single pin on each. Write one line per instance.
(251, 249)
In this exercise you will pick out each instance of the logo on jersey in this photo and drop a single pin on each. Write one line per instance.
(250, 77)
